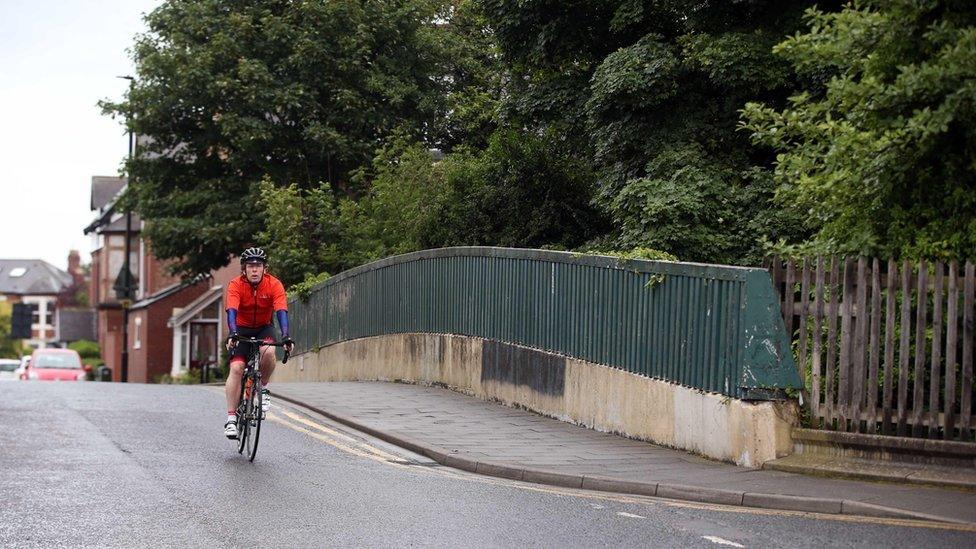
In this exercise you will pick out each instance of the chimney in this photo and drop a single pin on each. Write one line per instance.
(74, 263)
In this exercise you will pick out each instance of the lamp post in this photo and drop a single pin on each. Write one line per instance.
(126, 297)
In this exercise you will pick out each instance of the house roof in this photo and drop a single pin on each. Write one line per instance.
(198, 304)
(161, 294)
(105, 191)
(104, 188)
(166, 292)
(118, 225)
(32, 277)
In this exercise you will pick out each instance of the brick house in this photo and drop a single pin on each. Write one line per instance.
(35, 282)
(158, 295)
(199, 327)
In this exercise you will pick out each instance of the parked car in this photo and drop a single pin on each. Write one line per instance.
(55, 365)
(22, 369)
(8, 369)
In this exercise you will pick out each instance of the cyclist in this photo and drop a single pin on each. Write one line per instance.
(252, 299)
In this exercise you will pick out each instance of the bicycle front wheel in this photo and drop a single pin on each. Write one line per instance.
(254, 421)
(242, 414)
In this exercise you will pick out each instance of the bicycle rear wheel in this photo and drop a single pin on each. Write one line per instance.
(254, 427)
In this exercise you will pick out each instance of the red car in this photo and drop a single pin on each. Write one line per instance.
(55, 365)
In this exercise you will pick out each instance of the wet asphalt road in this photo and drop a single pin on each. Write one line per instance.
(112, 465)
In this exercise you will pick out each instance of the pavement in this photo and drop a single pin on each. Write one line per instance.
(488, 438)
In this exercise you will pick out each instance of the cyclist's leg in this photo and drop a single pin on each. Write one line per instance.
(268, 361)
(232, 387)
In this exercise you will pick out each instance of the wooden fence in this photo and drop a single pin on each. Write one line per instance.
(885, 348)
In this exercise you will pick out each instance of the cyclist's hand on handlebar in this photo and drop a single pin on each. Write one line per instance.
(289, 344)
(232, 341)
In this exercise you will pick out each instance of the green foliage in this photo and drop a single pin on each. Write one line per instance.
(637, 253)
(303, 289)
(522, 191)
(649, 94)
(186, 377)
(86, 348)
(408, 187)
(471, 72)
(878, 153)
(336, 133)
(91, 354)
(302, 233)
(9, 348)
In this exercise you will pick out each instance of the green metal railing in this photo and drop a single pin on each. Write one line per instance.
(715, 328)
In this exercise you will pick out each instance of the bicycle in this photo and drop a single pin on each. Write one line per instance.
(249, 412)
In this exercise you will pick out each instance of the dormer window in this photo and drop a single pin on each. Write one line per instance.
(17, 272)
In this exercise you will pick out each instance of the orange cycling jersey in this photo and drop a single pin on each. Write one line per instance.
(256, 304)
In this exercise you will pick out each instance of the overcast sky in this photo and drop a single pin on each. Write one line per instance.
(57, 59)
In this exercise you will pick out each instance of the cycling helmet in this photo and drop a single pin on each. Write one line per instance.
(254, 255)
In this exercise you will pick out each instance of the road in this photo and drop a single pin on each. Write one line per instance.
(113, 465)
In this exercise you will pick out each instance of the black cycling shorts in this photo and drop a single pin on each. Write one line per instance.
(244, 349)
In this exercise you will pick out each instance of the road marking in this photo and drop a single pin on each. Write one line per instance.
(365, 450)
(720, 541)
(317, 426)
(629, 515)
(332, 432)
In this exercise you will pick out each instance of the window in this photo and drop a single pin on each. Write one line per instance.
(137, 344)
(58, 360)
(17, 272)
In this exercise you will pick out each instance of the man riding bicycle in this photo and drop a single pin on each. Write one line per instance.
(252, 300)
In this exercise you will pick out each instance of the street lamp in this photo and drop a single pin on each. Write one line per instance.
(125, 295)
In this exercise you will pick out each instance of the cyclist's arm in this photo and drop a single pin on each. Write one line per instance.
(232, 301)
(232, 321)
(281, 309)
(282, 315)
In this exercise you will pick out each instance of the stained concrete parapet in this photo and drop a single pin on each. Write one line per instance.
(569, 389)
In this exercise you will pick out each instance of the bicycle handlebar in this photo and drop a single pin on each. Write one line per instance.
(262, 343)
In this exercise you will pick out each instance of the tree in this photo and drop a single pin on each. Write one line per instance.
(522, 191)
(230, 93)
(650, 93)
(877, 152)
(470, 72)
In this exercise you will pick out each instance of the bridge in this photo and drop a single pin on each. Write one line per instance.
(686, 355)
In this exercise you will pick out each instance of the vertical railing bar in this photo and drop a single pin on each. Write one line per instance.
(935, 378)
(904, 348)
(875, 355)
(846, 344)
(858, 397)
(966, 385)
(789, 297)
(921, 316)
(816, 362)
(949, 419)
(830, 403)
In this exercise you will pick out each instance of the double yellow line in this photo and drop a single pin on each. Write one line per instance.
(334, 438)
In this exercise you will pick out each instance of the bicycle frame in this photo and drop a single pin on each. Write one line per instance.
(249, 403)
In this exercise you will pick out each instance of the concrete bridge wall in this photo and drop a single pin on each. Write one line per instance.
(585, 393)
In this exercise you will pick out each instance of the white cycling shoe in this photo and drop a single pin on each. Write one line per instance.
(265, 402)
(230, 429)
